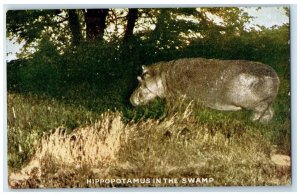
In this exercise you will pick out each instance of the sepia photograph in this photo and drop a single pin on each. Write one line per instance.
(148, 97)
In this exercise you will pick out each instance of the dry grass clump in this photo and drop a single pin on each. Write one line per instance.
(176, 147)
(92, 146)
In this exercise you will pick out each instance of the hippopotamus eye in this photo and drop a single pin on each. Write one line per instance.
(145, 75)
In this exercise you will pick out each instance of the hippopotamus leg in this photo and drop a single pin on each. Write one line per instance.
(263, 112)
(254, 93)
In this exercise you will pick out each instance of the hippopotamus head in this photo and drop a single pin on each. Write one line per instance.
(150, 86)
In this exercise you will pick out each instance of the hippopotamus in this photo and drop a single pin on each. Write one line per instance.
(227, 85)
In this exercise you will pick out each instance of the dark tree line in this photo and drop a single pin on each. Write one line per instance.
(147, 35)
(30, 23)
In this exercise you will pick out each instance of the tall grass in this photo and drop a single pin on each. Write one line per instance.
(178, 146)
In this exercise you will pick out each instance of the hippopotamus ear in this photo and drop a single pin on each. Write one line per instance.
(144, 68)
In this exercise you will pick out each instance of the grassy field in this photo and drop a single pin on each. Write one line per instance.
(55, 143)
(63, 131)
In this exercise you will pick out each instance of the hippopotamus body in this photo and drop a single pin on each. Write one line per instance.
(219, 84)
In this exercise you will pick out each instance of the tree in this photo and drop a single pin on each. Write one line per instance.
(75, 27)
(95, 23)
(132, 16)
(156, 31)
(27, 25)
